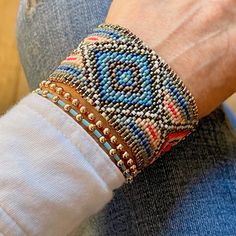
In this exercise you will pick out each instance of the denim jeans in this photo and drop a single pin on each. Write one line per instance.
(189, 191)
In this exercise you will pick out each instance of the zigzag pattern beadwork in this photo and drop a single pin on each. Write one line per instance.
(133, 88)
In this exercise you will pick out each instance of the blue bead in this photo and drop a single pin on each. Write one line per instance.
(98, 135)
(116, 157)
(107, 146)
(73, 112)
(85, 122)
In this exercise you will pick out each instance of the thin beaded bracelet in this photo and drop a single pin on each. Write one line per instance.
(138, 93)
(94, 127)
(90, 113)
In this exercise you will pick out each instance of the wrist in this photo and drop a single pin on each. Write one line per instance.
(195, 38)
(124, 84)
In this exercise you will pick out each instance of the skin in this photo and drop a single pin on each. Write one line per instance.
(196, 38)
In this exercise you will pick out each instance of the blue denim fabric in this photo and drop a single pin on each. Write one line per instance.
(231, 117)
(189, 191)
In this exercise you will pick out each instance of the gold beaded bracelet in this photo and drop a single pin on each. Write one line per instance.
(96, 128)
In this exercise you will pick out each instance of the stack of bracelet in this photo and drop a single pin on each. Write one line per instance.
(137, 94)
(80, 112)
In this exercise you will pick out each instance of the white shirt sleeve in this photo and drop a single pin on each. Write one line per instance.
(53, 175)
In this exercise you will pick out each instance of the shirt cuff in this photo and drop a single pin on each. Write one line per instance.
(53, 175)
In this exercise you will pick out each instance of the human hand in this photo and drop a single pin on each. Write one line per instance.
(197, 39)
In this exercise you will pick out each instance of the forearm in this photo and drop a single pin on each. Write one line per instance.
(56, 170)
(68, 156)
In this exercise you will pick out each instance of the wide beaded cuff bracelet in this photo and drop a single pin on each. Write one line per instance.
(133, 89)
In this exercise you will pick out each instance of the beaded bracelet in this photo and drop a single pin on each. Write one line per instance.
(137, 93)
(102, 135)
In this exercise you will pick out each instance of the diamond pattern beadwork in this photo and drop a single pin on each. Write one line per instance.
(118, 82)
(134, 90)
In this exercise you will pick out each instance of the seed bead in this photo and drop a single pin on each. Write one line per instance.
(45, 93)
(130, 162)
(67, 96)
(106, 131)
(112, 152)
(47, 84)
(102, 139)
(75, 102)
(59, 90)
(133, 168)
(42, 84)
(67, 107)
(125, 155)
(55, 99)
(91, 116)
(83, 109)
(113, 139)
(120, 147)
(99, 124)
(79, 117)
(52, 86)
(91, 127)
(120, 163)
